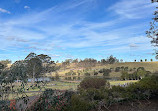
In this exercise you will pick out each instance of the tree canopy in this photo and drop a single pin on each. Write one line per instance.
(153, 31)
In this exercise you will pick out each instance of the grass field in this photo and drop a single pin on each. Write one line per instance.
(149, 66)
(122, 82)
(58, 85)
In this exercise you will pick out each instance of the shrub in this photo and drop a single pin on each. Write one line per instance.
(93, 83)
(145, 88)
(150, 83)
(4, 105)
(52, 100)
(117, 69)
(79, 104)
(87, 74)
(105, 72)
(125, 75)
(95, 73)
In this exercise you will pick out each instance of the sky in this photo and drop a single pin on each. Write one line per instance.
(69, 29)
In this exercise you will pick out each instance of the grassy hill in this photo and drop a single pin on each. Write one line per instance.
(149, 66)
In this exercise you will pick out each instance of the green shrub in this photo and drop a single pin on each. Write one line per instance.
(93, 83)
(117, 69)
(87, 74)
(79, 104)
(52, 100)
(95, 73)
(92, 91)
(145, 88)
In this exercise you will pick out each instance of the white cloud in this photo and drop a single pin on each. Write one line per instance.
(50, 32)
(133, 9)
(12, 38)
(26, 7)
(4, 11)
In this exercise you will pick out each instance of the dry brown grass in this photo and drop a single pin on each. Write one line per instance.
(149, 66)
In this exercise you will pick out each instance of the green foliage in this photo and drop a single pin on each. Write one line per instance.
(112, 60)
(105, 72)
(103, 61)
(92, 83)
(126, 69)
(95, 73)
(87, 74)
(38, 65)
(33, 65)
(124, 75)
(4, 105)
(53, 100)
(5, 62)
(150, 83)
(79, 104)
(70, 73)
(18, 70)
(34, 68)
(91, 97)
(117, 69)
(138, 74)
(1, 66)
(145, 88)
(87, 63)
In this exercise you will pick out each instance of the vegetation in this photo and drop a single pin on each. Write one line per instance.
(88, 62)
(52, 100)
(104, 97)
(136, 75)
(14, 79)
(153, 31)
(93, 83)
(79, 85)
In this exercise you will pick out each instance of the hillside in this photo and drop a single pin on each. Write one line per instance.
(149, 66)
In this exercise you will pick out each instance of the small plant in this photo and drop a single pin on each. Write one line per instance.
(12, 105)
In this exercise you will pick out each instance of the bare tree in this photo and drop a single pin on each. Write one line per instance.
(153, 31)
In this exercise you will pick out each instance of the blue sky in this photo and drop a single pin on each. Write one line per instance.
(81, 29)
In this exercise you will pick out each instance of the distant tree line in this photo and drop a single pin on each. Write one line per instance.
(90, 62)
(141, 60)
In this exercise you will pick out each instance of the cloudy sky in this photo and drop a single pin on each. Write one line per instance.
(75, 28)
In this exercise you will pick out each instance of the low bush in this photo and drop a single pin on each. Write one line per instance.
(52, 100)
(96, 83)
(78, 103)
(93, 94)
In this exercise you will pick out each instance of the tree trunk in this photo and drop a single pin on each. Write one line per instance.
(33, 74)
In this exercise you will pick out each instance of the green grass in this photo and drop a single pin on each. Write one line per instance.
(122, 82)
(63, 86)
